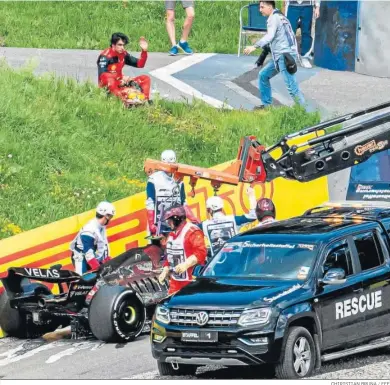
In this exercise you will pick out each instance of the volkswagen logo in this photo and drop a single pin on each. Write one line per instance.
(202, 318)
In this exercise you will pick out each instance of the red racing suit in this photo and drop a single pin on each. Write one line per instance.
(187, 241)
(110, 65)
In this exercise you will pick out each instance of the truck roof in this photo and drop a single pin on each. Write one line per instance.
(350, 210)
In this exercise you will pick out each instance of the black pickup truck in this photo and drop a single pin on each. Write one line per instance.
(292, 294)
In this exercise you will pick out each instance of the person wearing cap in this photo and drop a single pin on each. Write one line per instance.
(185, 248)
(162, 191)
(220, 227)
(111, 62)
(90, 247)
(265, 211)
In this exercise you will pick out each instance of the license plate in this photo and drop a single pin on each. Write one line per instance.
(199, 336)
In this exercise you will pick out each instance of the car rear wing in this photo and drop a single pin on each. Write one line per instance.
(13, 281)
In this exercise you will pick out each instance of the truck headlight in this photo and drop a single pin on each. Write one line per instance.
(255, 317)
(162, 314)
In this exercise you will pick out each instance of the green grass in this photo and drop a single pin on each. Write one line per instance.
(89, 24)
(65, 146)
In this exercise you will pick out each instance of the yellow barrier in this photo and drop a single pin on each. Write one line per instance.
(49, 245)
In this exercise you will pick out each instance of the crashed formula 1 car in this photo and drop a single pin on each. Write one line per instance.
(112, 303)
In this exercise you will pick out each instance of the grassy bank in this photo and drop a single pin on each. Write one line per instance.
(89, 24)
(65, 146)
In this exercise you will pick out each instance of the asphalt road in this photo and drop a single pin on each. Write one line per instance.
(92, 359)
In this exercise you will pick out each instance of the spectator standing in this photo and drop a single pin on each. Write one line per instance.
(281, 41)
(188, 6)
(302, 11)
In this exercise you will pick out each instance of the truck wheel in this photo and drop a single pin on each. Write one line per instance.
(166, 369)
(12, 321)
(116, 314)
(298, 357)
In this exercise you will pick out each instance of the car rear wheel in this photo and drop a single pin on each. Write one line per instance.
(298, 357)
(116, 314)
(11, 320)
(16, 323)
(168, 369)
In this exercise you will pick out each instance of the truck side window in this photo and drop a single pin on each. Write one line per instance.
(339, 257)
(369, 250)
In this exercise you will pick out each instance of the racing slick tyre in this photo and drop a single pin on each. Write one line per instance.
(16, 324)
(11, 321)
(116, 314)
(298, 356)
(167, 369)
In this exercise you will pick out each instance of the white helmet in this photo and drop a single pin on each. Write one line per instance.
(214, 203)
(168, 156)
(105, 208)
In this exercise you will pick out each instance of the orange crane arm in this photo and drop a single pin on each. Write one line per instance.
(248, 156)
(312, 159)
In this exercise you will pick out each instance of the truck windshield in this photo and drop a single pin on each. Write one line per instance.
(264, 260)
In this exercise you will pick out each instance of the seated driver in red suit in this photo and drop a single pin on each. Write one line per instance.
(111, 62)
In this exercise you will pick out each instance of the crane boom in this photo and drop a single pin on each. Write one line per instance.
(312, 159)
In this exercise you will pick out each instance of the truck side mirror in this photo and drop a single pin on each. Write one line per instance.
(333, 277)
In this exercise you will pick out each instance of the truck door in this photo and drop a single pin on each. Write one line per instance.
(340, 319)
(370, 248)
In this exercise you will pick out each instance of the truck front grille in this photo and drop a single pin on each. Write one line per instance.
(187, 317)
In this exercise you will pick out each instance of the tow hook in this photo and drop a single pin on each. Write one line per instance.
(175, 365)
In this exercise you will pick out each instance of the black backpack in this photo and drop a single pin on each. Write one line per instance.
(290, 62)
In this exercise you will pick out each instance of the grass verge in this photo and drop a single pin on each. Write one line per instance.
(89, 24)
(65, 146)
